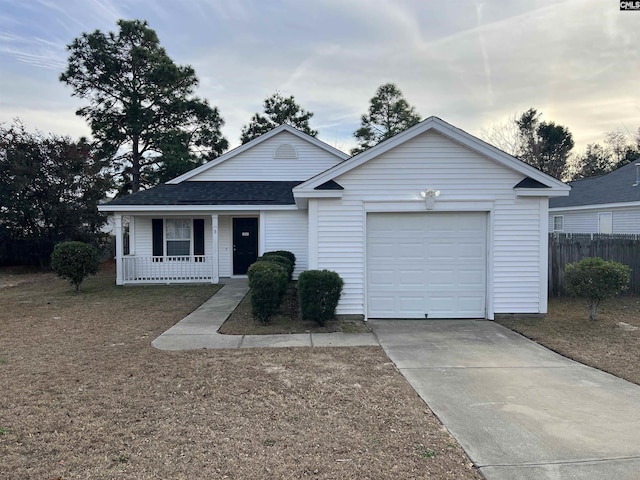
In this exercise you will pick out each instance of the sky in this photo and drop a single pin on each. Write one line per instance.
(472, 63)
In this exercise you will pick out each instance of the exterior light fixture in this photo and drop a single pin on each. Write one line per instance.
(430, 196)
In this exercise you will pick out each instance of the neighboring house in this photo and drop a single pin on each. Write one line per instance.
(605, 204)
(430, 223)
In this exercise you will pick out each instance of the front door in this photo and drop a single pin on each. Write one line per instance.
(245, 244)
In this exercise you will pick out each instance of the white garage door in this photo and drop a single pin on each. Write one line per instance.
(431, 264)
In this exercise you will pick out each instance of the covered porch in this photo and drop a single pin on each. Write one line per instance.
(185, 247)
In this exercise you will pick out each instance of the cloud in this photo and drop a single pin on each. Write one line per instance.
(471, 62)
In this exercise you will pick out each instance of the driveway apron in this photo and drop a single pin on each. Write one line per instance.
(519, 410)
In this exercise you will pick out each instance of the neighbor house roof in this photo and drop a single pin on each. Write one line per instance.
(618, 186)
(211, 193)
(538, 183)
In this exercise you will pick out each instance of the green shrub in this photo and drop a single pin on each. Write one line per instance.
(318, 294)
(280, 260)
(268, 283)
(596, 279)
(75, 261)
(282, 253)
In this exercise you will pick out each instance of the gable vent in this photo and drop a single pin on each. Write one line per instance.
(285, 152)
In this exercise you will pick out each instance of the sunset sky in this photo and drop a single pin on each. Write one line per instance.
(471, 63)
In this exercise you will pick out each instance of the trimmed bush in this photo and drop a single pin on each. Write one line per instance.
(75, 261)
(596, 279)
(318, 295)
(280, 260)
(282, 253)
(268, 284)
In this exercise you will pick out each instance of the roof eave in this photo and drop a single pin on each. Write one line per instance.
(192, 207)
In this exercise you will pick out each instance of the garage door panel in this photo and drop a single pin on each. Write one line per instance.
(380, 277)
(426, 263)
(410, 278)
(382, 249)
(410, 303)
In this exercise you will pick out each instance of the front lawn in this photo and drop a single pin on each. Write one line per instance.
(612, 343)
(84, 395)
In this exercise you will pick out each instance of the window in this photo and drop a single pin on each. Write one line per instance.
(605, 222)
(178, 232)
(558, 223)
(172, 237)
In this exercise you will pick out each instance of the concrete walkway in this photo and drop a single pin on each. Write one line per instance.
(519, 410)
(199, 329)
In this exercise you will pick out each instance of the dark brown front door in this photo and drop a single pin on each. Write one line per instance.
(245, 244)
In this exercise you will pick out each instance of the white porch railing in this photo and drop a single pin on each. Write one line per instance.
(188, 269)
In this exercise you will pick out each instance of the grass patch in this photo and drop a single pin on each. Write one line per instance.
(286, 320)
(4, 430)
(88, 397)
(610, 344)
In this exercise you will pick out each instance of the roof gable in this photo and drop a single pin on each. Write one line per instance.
(555, 187)
(205, 171)
(618, 186)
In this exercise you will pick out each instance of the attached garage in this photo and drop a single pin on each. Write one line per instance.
(426, 265)
(432, 223)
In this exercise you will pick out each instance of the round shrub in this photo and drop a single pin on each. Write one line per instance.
(282, 253)
(75, 261)
(280, 260)
(268, 284)
(318, 295)
(596, 279)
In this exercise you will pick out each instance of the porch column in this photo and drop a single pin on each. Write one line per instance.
(117, 218)
(215, 278)
(262, 233)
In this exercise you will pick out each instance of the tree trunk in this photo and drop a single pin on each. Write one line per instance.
(135, 166)
(593, 310)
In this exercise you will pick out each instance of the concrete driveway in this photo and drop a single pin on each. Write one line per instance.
(519, 410)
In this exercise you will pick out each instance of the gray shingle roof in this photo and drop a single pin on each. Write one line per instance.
(213, 193)
(614, 187)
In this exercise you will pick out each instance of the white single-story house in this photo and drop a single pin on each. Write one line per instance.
(432, 223)
(604, 204)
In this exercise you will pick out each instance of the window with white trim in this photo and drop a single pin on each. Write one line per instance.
(178, 236)
(558, 223)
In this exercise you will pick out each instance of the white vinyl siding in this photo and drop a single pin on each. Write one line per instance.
(287, 231)
(341, 247)
(624, 220)
(433, 161)
(517, 251)
(258, 164)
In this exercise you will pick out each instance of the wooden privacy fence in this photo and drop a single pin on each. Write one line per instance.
(571, 247)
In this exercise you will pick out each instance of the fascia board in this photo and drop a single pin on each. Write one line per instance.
(185, 208)
(595, 206)
(541, 192)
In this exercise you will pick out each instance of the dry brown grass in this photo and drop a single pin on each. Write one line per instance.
(84, 395)
(603, 344)
(286, 320)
